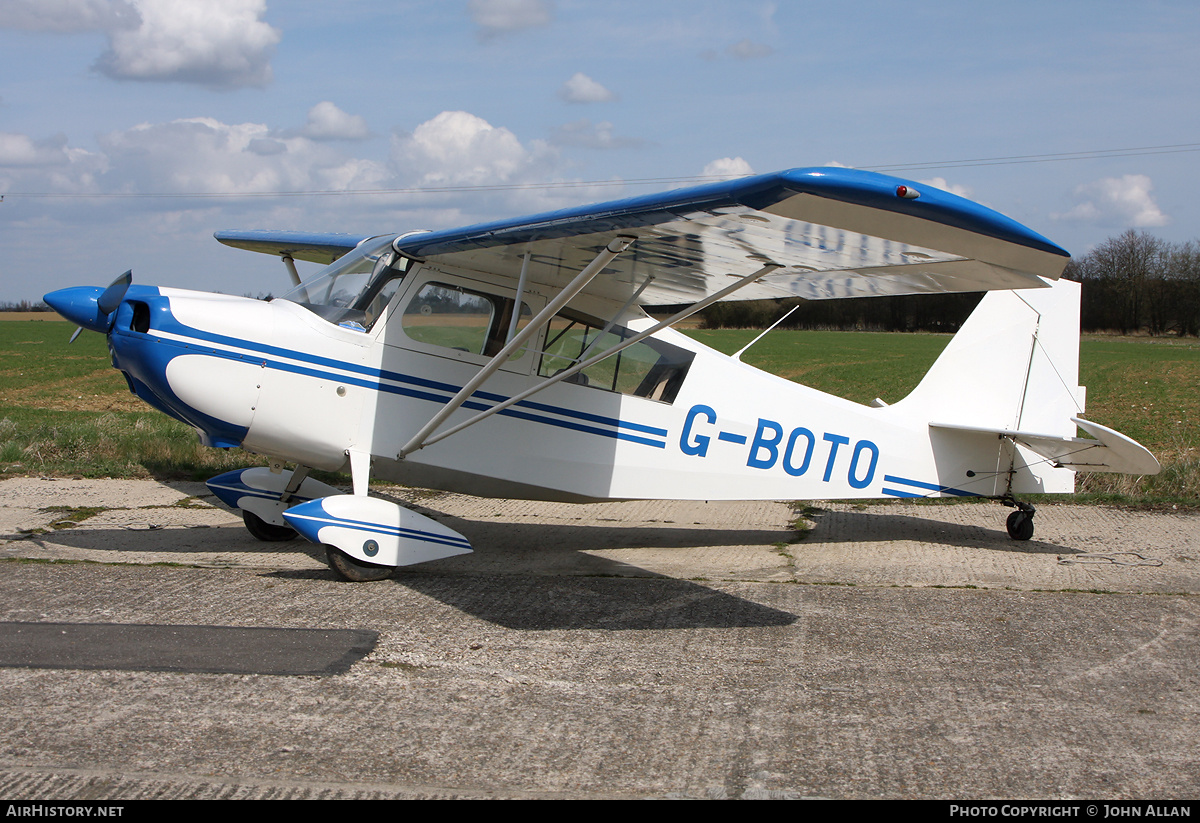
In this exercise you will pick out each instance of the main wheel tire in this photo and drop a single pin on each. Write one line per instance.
(267, 532)
(1020, 525)
(353, 570)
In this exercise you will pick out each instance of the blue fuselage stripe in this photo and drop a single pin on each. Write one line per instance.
(421, 389)
(933, 487)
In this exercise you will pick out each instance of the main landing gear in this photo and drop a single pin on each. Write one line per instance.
(1020, 522)
(355, 571)
(365, 538)
(267, 532)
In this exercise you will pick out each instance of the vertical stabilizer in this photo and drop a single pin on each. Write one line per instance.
(1013, 366)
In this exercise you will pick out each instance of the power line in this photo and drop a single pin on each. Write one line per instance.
(1142, 151)
(1045, 158)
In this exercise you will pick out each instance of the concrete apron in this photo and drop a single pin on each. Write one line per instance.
(887, 544)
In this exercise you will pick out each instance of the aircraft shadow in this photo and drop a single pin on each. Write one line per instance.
(168, 540)
(522, 576)
(581, 603)
(872, 526)
(551, 582)
(570, 540)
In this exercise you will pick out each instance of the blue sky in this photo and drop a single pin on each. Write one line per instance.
(205, 114)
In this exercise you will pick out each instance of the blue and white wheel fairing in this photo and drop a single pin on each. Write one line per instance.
(374, 531)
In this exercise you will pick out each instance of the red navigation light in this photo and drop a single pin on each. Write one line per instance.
(907, 193)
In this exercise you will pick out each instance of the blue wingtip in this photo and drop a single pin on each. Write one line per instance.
(880, 191)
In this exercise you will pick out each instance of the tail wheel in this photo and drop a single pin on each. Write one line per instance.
(353, 570)
(1020, 525)
(267, 532)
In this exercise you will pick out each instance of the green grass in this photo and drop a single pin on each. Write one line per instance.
(858, 366)
(65, 411)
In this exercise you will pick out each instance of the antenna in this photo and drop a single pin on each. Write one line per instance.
(737, 355)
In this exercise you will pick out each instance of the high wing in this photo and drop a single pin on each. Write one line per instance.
(833, 232)
(312, 247)
(826, 232)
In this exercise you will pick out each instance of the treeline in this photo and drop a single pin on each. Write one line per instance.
(24, 305)
(1139, 283)
(932, 312)
(1132, 283)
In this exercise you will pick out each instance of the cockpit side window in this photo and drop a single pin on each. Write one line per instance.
(454, 317)
(448, 316)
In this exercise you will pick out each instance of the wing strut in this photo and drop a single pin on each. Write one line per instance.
(606, 256)
(516, 315)
(620, 313)
(583, 364)
(290, 262)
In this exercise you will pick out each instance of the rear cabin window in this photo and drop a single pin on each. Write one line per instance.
(649, 368)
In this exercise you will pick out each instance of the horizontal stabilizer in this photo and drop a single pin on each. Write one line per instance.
(1111, 451)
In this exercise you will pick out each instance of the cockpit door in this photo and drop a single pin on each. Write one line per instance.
(461, 319)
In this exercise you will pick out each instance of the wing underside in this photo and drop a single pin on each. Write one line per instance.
(831, 233)
(312, 247)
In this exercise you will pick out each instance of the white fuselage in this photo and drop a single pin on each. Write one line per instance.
(308, 391)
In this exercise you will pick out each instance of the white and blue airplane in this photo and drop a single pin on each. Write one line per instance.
(516, 359)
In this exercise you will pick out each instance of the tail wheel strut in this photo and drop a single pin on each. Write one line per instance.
(1020, 522)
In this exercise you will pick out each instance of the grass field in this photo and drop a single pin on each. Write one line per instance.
(65, 411)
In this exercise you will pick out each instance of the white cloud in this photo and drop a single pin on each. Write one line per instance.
(728, 167)
(944, 185)
(49, 165)
(217, 43)
(583, 89)
(1117, 202)
(23, 151)
(266, 146)
(327, 122)
(501, 16)
(589, 135)
(203, 155)
(458, 148)
(68, 15)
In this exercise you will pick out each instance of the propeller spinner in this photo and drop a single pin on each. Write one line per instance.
(90, 307)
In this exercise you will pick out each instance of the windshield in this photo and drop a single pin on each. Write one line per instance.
(354, 289)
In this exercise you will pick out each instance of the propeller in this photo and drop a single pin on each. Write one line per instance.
(115, 293)
(89, 306)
